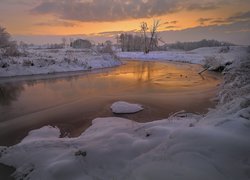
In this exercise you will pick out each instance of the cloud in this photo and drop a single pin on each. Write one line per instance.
(56, 23)
(170, 22)
(114, 33)
(237, 33)
(202, 21)
(203, 6)
(171, 27)
(241, 16)
(114, 10)
(19, 2)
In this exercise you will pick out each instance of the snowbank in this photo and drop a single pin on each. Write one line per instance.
(197, 56)
(49, 61)
(122, 107)
(182, 147)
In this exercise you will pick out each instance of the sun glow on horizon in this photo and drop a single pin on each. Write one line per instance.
(76, 17)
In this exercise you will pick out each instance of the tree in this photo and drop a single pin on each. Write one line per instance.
(7, 47)
(4, 38)
(153, 35)
(153, 32)
(144, 29)
(64, 42)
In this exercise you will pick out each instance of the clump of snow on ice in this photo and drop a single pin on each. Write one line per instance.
(122, 107)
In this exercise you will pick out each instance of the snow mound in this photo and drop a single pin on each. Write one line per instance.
(122, 107)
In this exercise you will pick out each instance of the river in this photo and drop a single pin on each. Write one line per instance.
(71, 101)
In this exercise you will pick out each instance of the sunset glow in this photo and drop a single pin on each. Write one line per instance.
(108, 18)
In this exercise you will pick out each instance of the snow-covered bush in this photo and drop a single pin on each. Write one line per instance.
(236, 82)
(75, 61)
(56, 46)
(45, 62)
(224, 49)
(11, 50)
(107, 49)
(4, 64)
(213, 63)
(67, 60)
(27, 62)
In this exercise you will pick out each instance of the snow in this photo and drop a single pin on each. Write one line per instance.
(122, 107)
(197, 56)
(184, 146)
(50, 61)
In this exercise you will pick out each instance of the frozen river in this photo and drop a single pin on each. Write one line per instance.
(71, 101)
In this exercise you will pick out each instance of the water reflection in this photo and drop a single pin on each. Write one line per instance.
(134, 77)
(144, 71)
(72, 102)
(9, 93)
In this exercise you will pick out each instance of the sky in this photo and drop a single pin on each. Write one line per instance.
(41, 21)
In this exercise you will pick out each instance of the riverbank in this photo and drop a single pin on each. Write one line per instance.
(184, 146)
(216, 55)
(52, 61)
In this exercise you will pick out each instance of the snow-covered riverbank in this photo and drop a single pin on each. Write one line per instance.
(184, 146)
(198, 56)
(50, 61)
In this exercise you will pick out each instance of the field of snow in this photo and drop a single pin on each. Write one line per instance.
(49, 61)
(220, 55)
(183, 147)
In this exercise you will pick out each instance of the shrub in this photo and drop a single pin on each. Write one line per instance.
(224, 49)
(11, 50)
(4, 64)
(215, 63)
(27, 63)
(211, 62)
(248, 49)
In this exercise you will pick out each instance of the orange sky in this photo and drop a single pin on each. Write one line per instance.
(17, 17)
(90, 17)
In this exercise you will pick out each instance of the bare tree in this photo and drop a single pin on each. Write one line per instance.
(153, 33)
(64, 42)
(71, 40)
(144, 29)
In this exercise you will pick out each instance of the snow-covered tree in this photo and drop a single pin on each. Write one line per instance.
(7, 47)
(4, 38)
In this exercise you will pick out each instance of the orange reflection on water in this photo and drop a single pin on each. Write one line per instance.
(73, 101)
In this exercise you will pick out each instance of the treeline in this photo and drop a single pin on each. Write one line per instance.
(187, 46)
(130, 42)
